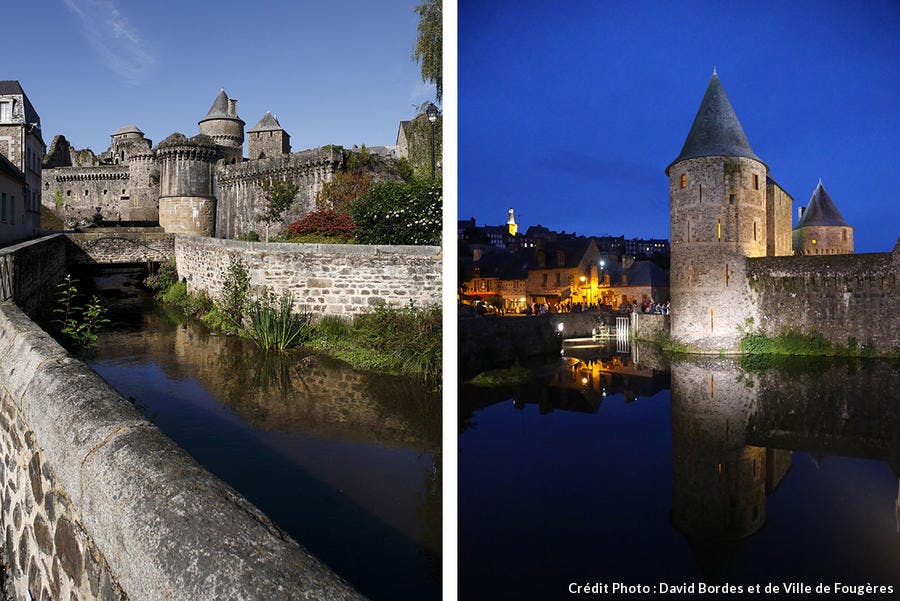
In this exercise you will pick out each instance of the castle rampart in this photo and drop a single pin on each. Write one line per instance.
(837, 296)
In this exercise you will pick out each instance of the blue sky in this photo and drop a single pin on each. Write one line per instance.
(333, 72)
(570, 115)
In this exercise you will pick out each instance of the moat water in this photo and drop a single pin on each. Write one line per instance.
(621, 466)
(347, 462)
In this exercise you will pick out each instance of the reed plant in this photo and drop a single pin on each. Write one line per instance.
(274, 325)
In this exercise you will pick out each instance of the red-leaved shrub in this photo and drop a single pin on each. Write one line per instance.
(324, 222)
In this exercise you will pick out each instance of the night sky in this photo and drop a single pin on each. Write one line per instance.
(570, 113)
(333, 72)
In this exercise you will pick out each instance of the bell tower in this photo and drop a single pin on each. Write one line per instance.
(717, 195)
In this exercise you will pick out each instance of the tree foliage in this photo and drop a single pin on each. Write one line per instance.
(429, 44)
(278, 195)
(343, 189)
(323, 222)
(399, 213)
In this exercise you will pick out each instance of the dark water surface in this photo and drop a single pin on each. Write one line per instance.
(624, 467)
(348, 463)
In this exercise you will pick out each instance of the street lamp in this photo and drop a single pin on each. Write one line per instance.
(432, 113)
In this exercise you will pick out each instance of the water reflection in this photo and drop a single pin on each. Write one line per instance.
(347, 462)
(826, 431)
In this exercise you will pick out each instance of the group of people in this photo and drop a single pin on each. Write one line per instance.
(649, 307)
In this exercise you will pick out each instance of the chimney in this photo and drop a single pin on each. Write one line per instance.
(232, 107)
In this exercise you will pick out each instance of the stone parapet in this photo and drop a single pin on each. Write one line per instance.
(334, 279)
(98, 503)
(29, 271)
(105, 247)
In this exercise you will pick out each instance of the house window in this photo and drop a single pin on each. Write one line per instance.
(544, 279)
(755, 182)
(5, 111)
(68, 193)
(718, 229)
(12, 210)
(731, 199)
(3, 207)
(727, 275)
(754, 230)
(683, 181)
(558, 280)
(843, 235)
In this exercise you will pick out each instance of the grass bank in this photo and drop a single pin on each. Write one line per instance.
(795, 343)
(402, 341)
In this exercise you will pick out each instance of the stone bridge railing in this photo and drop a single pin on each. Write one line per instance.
(119, 247)
(97, 502)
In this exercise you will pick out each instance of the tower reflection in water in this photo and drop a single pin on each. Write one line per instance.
(736, 422)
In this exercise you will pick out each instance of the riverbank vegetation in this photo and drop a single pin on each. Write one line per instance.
(76, 319)
(496, 378)
(403, 341)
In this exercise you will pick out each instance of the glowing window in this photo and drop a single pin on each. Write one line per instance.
(719, 230)
(813, 240)
(684, 180)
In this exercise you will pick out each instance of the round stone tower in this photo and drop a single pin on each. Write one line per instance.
(223, 125)
(187, 202)
(717, 193)
(821, 230)
(143, 186)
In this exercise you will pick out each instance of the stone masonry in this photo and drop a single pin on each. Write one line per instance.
(334, 279)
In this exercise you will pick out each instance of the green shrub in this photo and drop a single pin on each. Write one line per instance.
(410, 336)
(511, 376)
(250, 236)
(399, 213)
(78, 324)
(166, 275)
(332, 327)
(235, 298)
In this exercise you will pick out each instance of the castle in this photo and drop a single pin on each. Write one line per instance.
(738, 266)
(199, 185)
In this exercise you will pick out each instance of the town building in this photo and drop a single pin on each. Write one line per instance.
(22, 144)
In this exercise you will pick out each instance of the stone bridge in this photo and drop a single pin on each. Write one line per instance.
(119, 245)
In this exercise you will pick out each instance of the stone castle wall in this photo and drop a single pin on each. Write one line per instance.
(240, 195)
(97, 502)
(82, 189)
(838, 296)
(337, 279)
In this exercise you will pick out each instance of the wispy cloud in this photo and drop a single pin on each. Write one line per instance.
(112, 37)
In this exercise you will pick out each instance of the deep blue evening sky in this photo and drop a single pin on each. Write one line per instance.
(333, 72)
(570, 112)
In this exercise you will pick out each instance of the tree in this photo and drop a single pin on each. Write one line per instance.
(279, 195)
(429, 44)
(343, 189)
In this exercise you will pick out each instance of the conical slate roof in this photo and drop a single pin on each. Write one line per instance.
(821, 210)
(268, 123)
(716, 130)
(219, 109)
